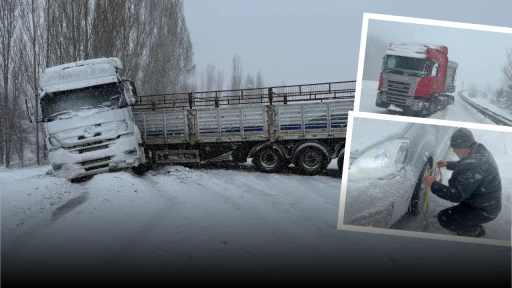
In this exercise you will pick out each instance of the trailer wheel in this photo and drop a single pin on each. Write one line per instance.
(269, 160)
(140, 170)
(312, 161)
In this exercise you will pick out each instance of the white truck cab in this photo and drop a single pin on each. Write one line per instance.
(88, 120)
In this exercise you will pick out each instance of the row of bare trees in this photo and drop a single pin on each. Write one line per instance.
(212, 78)
(150, 37)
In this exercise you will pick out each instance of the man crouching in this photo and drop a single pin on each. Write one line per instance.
(475, 184)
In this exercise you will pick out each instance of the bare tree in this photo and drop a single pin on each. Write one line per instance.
(33, 22)
(219, 84)
(9, 13)
(211, 77)
(249, 81)
(236, 72)
(259, 80)
(169, 62)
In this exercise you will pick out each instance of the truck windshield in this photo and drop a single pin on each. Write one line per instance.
(64, 102)
(401, 64)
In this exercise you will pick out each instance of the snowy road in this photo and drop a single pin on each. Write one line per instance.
(212, 223)
(458, 111)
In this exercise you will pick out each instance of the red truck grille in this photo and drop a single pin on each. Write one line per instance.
(399, 87)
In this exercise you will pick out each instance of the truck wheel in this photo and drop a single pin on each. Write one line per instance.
(269, 160)
(312, 161)
(419, 195)
(433, 106)
(141, 169)
(339, 162)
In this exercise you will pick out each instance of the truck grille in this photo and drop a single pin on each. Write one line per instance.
(397, 99)
(91, 146)
(99, 161)
(399, 87)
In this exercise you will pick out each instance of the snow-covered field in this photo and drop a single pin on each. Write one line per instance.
(459, 111)
(215, 222)
(485, 102)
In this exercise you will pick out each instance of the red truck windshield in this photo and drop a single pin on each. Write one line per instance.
(401, 64)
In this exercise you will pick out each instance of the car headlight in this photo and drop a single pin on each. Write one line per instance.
(382, 162)
(122, 127)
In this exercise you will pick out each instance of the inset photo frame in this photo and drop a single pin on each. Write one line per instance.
(423, 68)
(384, 186)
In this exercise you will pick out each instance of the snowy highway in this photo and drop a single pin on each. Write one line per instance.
(183, 222)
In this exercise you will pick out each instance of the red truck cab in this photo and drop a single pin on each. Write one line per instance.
(416, 78)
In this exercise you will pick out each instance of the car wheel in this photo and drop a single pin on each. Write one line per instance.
(419, 195)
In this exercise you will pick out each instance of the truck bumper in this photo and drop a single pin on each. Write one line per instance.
(124, 153)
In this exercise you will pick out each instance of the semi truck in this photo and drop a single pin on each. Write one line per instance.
(417, 78)
(95, 122)
(300, 125)
(88, 121)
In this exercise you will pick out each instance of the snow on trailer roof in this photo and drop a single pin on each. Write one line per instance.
(414, 50)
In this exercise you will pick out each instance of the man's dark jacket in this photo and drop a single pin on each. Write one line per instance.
(475, 181)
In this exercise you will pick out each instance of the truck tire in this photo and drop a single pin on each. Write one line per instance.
(419, 194)
(432, 109)
(339, 162)
(312, 161)
(141, 169)
(269, 160)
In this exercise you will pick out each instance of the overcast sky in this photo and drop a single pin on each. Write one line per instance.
(303, 42)
(480, 54)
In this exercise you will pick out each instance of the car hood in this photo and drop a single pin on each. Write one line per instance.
(366, 135)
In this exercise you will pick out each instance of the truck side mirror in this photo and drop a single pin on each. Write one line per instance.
(434, 70)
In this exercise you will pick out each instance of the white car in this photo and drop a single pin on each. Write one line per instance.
(388, 161)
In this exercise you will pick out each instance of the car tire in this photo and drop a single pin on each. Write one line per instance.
(419, 195)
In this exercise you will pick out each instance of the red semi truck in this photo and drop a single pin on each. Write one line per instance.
(416, 78)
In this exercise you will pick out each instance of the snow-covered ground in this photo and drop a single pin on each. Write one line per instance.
(215, 222)
(459, 111)
(486, 102)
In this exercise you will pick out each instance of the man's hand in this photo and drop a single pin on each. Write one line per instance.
(441, 163)
(429, 180)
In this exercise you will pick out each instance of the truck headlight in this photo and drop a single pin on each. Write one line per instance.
(57, 166)
(122, 127)
(383, 162)
(132, 151)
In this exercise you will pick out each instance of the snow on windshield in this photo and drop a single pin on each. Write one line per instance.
(73, 100)
(405, 63)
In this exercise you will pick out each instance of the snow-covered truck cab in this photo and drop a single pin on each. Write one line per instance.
(416, 78)
(88, 120)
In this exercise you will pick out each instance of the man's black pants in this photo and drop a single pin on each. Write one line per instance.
(463, 219)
